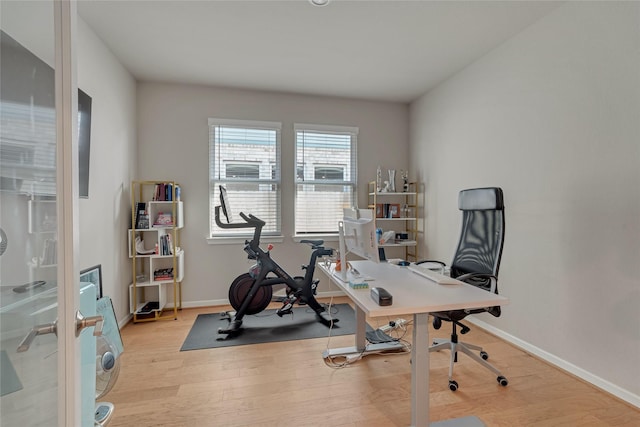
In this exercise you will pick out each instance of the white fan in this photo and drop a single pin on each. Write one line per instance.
(109, 347)
(107, 370)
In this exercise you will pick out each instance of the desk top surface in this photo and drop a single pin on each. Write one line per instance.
(411, 292)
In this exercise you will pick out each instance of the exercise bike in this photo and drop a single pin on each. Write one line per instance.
(250, 293)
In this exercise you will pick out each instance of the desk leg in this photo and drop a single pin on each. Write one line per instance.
(420, 371)
(420, 380)
(361, 329)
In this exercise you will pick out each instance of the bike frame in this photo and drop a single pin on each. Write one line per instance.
(304, 288)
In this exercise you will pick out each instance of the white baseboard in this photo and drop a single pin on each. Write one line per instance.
(602, 384)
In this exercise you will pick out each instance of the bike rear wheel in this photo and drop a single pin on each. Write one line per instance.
(239, 290)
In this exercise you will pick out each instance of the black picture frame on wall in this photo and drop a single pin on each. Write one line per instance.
(93, 275)
(84, 142)
(29, 102)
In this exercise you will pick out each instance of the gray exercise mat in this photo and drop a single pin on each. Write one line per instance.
(268, 327)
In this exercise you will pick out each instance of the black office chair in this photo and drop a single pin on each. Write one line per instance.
(476, 261)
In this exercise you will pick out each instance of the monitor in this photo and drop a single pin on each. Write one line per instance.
(224, 202)
(358, 236)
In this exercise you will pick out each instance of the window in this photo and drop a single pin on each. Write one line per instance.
(244, 156)
(325, 176)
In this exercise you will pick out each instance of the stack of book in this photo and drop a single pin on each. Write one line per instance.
(166, 192)
(163, 274)
(166, 247)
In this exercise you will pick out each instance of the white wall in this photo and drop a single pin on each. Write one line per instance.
(173, 144)
(106, 215)
(552, 117)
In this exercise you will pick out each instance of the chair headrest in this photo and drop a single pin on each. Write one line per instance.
(481, 199)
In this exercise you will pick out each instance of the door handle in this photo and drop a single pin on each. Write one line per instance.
(52, 328)
(85, 322)
(47, 328)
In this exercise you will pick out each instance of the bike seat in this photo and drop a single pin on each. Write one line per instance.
(313, 243)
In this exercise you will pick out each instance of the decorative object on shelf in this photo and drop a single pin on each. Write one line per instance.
(402, 236)
(143, 222)
(394, 210)
(141, 211)
(140, 250)
(405, 180)
(392, 180)
(379, 179)
(387, 210)
(163, 220)
(405, 211)
(387, 237)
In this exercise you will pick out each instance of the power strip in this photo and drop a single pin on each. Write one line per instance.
(398, 323)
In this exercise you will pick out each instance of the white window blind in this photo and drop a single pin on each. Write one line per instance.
(244, 157)
(326, 174)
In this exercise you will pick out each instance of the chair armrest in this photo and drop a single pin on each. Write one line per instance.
(493, 280)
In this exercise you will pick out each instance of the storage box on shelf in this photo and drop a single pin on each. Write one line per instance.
(154, 248)
(400, 212)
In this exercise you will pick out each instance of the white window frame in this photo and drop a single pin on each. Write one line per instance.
(217, 177)
(350, 180)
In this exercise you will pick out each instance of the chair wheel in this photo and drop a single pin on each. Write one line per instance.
(453, 386)
(484, 355)
(502, 381)
(437, 323)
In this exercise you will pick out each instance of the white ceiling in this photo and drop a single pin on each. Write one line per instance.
(380, 50)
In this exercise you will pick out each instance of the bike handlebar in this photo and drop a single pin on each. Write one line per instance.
(249, 221)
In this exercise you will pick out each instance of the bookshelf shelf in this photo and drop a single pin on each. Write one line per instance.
(154, 248)
(400, 212)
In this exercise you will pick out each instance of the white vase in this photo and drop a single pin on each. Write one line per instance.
(392, 180)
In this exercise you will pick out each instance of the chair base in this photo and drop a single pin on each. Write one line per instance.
(468, 349)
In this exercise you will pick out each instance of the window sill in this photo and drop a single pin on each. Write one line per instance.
(242, 239)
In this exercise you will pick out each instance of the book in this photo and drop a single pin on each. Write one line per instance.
(141, 209)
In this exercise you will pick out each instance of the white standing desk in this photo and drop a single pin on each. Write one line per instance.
(416, 295)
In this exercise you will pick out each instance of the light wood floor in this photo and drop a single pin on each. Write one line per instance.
(288, 384)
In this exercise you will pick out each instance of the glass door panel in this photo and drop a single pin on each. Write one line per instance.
(31, 241)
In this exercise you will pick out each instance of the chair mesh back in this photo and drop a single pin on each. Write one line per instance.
(480, 247)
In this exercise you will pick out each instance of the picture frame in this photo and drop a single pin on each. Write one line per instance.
(93, 275)
(379, 210)
(394, 210)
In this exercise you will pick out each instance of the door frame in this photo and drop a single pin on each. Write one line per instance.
(66, 89)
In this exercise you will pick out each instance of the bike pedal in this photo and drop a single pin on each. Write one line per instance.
(281, 313)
